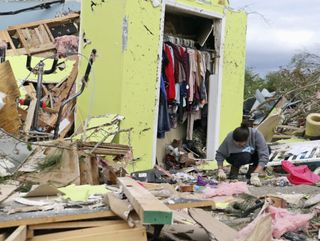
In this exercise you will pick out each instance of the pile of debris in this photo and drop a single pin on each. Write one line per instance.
(59, 182)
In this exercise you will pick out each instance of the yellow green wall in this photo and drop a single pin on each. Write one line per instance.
(126, 81)
(233, 72)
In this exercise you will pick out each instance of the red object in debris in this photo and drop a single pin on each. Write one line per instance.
(299, 175)
(27, 102)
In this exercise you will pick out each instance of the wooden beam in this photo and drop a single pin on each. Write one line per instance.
(23, 41)
(30, 115)
(69, 225)
(132, 234)
(191, 204)
(55, 218)
(81, 224)
(82, 232)
(51, 38)
(20, 234)
(147, 206)
(46, 21)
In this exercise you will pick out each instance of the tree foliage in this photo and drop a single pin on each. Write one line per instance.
(299, 82)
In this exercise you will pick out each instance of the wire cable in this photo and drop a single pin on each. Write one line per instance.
(39, 6)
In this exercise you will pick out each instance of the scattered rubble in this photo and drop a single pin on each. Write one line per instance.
(59, 182)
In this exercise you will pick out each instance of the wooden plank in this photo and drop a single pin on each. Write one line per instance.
(23, 41)
(6, 190)
(81, 224)
(20, 234)
(147, 206)
(56, 218)
(39, 35)
(30, 114)
(51, 38)
(191, 204)
(31, 91)
(82, 232)
(85, 170)
(213, 226)
(134, 234)
(44, 34)
(4, 35)
(70, 225)
(46, 21)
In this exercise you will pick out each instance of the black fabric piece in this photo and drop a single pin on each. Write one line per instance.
(242, 158)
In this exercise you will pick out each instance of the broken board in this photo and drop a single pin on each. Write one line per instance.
(147, 206)
(9, 117)
(214, 227)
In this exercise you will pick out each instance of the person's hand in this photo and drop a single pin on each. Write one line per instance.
(255, 180)
(221, 174)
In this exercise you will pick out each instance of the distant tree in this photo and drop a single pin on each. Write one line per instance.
(252, 82)
(299, 82)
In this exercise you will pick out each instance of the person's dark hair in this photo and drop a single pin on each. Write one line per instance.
(241, 133)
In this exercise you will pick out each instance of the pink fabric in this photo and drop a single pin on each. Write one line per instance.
(284, 221)
(300, 174)
(226, 189)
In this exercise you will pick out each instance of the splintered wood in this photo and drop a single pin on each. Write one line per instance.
(9, 93)
(98, 225)
(35, 37)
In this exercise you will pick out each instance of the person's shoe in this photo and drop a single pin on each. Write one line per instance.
(234, 172)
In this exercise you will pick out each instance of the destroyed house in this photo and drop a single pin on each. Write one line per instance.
(132, 38)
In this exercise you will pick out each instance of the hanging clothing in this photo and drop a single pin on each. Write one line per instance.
(163, 115)
(170, 87)
(193, 74)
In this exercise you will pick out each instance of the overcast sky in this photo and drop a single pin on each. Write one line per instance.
(277, 29)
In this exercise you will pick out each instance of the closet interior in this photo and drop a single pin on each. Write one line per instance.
(188, 63)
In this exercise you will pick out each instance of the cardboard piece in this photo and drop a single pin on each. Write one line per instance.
(123, 209)
(43, 190)
(185, 232)
(215, 228)
(261, 229)
(6, 191)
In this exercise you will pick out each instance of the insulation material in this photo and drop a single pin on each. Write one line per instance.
(67, 45)
(283, 221)
(227, 189)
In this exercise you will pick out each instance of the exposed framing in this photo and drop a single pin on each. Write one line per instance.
(215, 89)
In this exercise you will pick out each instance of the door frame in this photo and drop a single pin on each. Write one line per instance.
(215, 89)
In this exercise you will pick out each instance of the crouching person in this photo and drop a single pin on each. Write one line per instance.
(244, 145)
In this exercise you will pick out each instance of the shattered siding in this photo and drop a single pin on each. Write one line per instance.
(126, 75)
